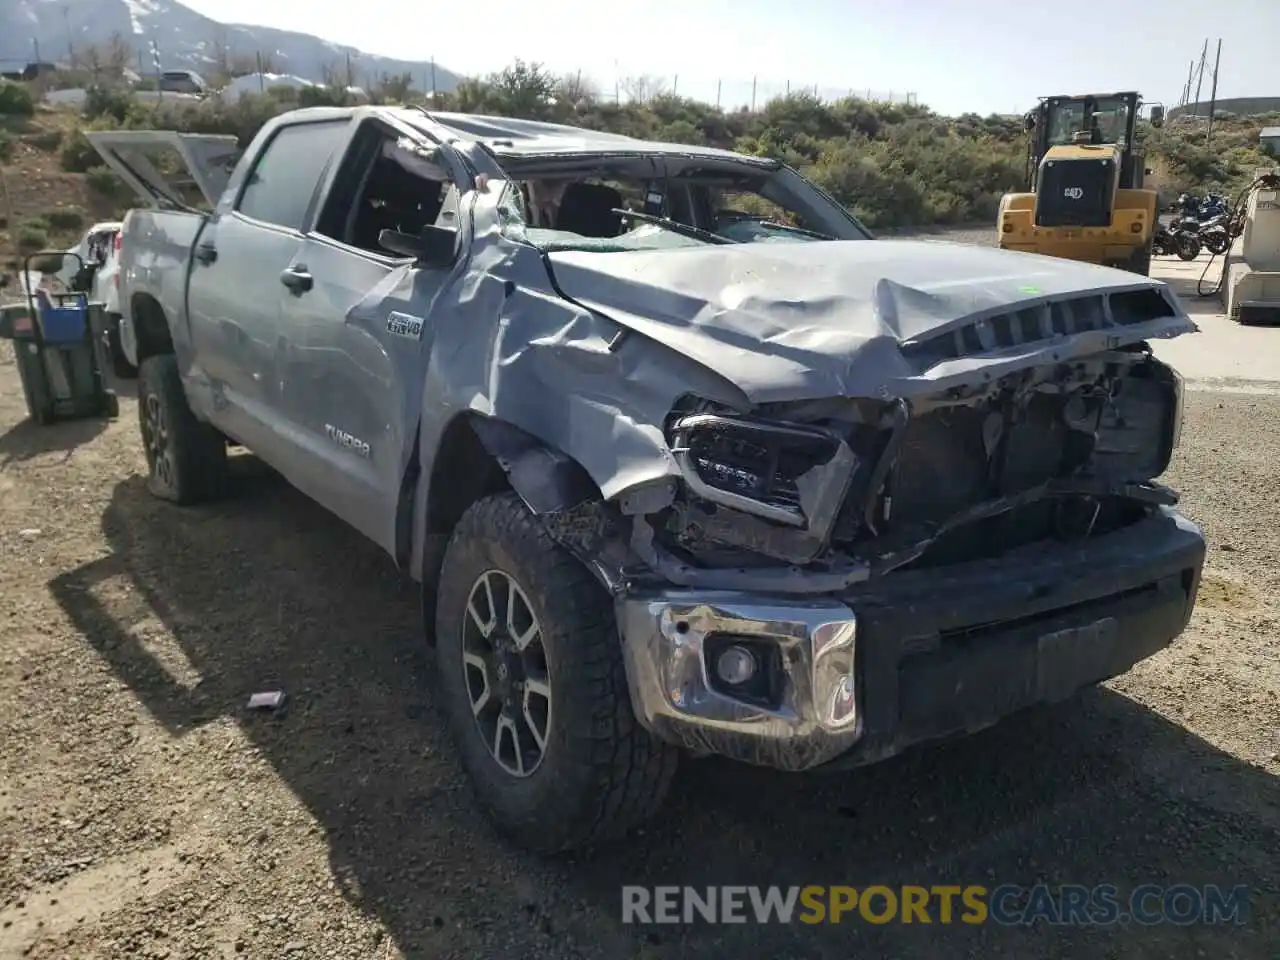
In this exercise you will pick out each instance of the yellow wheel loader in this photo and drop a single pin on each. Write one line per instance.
(1085, 180)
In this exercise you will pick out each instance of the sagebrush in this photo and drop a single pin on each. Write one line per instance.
(894, 165)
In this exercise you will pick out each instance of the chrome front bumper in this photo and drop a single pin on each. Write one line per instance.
(814, 715)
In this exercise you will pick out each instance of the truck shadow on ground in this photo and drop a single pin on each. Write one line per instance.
(267, 589)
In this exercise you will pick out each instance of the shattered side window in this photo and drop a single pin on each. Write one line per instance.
(511, 213)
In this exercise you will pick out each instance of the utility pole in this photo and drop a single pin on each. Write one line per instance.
(718, 83)
(1213, 95)
(433, 80)
(35, 45)
(1191, 71)
(155, 62)
(71, 50)
(753, 94)
(1204, 55)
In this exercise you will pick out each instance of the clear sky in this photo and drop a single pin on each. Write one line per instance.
(956, 55)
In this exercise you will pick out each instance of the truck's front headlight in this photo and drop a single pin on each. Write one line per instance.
(788, 473)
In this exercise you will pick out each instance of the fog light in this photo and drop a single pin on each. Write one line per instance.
(736, 665)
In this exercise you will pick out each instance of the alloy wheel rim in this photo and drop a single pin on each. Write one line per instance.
(505, 670)
(155, 430)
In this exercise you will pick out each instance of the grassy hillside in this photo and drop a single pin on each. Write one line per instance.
(894, 165)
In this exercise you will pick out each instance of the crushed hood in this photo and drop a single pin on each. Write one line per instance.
(786, 321)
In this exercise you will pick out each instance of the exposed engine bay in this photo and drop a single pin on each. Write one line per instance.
(816, 496)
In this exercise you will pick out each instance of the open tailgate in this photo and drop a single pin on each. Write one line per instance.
(169, 169)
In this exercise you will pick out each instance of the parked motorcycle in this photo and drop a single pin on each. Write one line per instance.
(1215, 234)
(1209, 220)
(1185, 244)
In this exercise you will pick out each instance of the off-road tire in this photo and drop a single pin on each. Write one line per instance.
(1186, 247)
(196, 452)
(601, 772)
(121, 368)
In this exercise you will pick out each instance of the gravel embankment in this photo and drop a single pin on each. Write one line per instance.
(144, 813)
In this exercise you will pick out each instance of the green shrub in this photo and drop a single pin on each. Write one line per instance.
(65, 218)
(30, 239)
(16, 100)
(77, 154)
(8, 146)
(46, 140)
(104, 182)
(100, 101)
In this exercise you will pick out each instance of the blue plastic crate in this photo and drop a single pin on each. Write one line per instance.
(63, 324)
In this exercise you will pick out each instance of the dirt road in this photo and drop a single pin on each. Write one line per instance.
(145, 813)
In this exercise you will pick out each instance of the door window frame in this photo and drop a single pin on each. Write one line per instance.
(308, 211)
(393, 130)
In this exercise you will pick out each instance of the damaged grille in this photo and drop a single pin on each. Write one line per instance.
(962, 477)
(1043, 322)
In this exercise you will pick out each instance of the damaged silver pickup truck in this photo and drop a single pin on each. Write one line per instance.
(683, 458)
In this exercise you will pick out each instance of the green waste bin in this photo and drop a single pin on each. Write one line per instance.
(54, 349)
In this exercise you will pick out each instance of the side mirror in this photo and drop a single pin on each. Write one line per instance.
(1157, 116)
(434, 247)
(1029, 122)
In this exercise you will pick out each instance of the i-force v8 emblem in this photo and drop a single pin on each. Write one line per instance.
(404, 325)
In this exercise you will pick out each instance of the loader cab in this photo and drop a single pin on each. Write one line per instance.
(1080, 151)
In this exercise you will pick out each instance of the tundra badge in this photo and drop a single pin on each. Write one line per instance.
(344, 439)
(404, 325)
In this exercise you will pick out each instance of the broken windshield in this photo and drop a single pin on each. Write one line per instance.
(612, 211)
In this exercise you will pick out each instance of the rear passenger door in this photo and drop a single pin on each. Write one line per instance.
(235, 294)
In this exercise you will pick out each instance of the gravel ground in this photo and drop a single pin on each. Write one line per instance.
(145, 813)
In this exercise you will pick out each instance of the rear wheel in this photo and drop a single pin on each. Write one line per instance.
(533, 687)
(186, 458)
(1217, 242)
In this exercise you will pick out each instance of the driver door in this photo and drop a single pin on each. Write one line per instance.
(362, 327)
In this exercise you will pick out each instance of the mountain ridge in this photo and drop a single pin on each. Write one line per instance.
(185, 39)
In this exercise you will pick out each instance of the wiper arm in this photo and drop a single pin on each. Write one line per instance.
(675, 226)
(800, 230)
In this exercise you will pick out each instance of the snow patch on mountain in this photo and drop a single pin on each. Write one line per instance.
(139, 10)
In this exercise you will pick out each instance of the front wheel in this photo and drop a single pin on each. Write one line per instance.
(533, 688)
(1187, 246)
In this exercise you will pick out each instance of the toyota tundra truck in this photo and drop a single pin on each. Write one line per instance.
(691, 464)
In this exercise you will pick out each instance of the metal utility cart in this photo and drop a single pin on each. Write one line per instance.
(54, 348)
